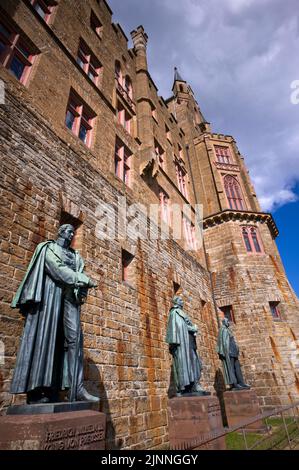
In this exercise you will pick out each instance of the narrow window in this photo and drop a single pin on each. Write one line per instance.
(228, 313)
(246, 239)
(154, 113)
(44, 8)
(160, 155)
(168, 134)
(118, 74)
(233, 193)
(255, 240)
(88, 62)
(79, 118)
(251, 239)
(123, 117)
(96, 25)
(126, 261)
(189, 232)
(16, 54)
(274, 310)
(128, 87)
(181, 178)
(122, 162)
(176, 287)
(164, 206)
(181, 154)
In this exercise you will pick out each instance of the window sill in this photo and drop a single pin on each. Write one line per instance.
(78, 140)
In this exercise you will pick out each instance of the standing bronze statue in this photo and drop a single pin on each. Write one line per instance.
(50, 296)
(228, 351)
(181, 337)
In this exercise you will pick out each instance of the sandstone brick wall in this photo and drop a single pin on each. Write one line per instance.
(126, 358)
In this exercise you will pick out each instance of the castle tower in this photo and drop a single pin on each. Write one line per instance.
(249, 282)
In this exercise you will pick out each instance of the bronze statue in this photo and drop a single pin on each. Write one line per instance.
(228, 351)
(50, 296)
(181, 337)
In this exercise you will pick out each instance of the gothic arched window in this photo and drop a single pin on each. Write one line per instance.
(251, 239)
(234, 193)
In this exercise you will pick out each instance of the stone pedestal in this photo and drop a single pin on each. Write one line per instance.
(241, 405)
(190, 418)
(74, 430)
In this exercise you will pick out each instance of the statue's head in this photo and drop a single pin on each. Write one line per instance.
(225, 322)
(177, 301)
(67, 232)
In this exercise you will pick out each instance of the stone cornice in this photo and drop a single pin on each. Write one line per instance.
(242, 216)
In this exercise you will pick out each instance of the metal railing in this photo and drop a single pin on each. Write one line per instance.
(286, 434)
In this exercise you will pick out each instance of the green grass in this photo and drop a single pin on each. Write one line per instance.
(277, 439)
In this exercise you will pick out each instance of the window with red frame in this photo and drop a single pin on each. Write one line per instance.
(164, 206)
(88, 62)
(79, 119)
(118, 74)
(228, 313)
(122, 161)
(189, 232)
(182, 179)
(160, 155)
(181, 154)
(128, 86)
(16, 54)
(222, 154)
(168, 134)
(274, 310)
(233, 193)
(44, 8)
(126, 262)
(251, 239)
(123, 117)
(154, 113)
(95, 24)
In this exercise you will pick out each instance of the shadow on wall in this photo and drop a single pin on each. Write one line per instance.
(220, 388)
(171, 392)
(95, 386)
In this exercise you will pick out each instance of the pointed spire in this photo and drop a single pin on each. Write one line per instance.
(177, 76)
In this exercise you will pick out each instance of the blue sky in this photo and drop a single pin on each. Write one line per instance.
(287, 220)
(240, 58)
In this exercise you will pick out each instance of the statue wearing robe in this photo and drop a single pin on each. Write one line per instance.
(50, 357)
(228, 351)
(181, 337)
